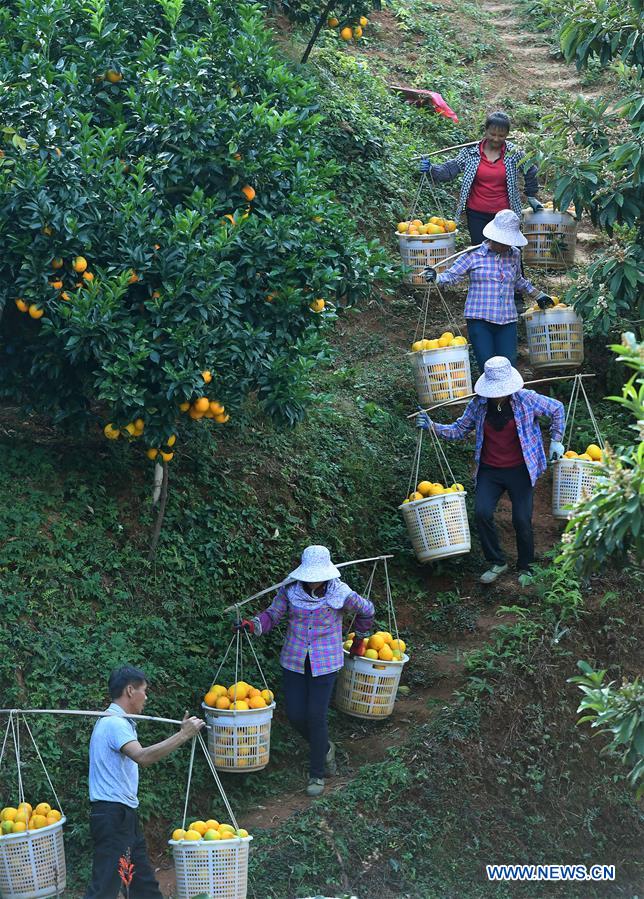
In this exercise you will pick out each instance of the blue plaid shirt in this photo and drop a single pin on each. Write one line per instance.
(527, 406)
(494, 278)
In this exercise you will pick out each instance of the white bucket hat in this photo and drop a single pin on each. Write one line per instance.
(316, 565)
(505, 228)
(499, 379)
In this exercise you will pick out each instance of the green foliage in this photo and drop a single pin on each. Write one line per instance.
(129, 142)
(610, 524)
(616, 711)
(605, 29)
(309, 12)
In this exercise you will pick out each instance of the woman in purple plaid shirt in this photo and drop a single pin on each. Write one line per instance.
(494, 272)
(509, 455)
(314, 603)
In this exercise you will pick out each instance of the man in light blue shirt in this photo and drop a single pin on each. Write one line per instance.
(114, 758)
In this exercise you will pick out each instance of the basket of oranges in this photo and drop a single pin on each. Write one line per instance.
(32, 852)
(211, 859)
(240, 718)
(441, 368)
(555, 336)
(575, 477)
(552, 238)
(425, 244)
(368, 681)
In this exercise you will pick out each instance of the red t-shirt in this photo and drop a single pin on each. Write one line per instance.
(501, 449)
(489, 192)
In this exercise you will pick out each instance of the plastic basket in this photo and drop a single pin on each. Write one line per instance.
(419, 251)
(555, 338)
(438, 526)
(366, 688)
(32, 864)
(574, 480)
(442, 374)
(218, 868)
(239, 741)
(552, 239)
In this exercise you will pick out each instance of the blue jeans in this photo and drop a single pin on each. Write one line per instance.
(307, 701)
(491, 483)
(489, 340)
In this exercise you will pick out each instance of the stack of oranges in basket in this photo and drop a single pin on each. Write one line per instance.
(432, 225)
(239, 697)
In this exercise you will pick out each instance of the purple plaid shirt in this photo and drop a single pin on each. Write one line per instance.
(494, 278)
(527, 406)
(316, 631)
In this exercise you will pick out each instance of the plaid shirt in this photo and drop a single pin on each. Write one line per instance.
(527, 406)
(316, 631)
(494, 277)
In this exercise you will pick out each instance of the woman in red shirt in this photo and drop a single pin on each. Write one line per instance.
(490, 176)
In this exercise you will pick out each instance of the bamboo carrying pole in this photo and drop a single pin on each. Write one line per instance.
(465, 399)
(474, 246)
(447, 149)
(289, 580)
(87, 713)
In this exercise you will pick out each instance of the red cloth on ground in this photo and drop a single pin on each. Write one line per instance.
(489, 192)
(501, 449)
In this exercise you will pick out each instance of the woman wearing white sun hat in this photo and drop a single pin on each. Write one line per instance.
(494, 271)
(509, 455)
(314, 600)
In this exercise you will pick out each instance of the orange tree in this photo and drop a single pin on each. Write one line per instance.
(348, 17)
(170, 238)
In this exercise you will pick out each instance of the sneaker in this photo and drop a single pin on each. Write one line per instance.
(330, 765)
(488, 577)
(315, 786)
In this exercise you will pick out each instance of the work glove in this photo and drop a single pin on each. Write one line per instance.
(556, 450)
(244, 625)
(535, 205)
(423, 421)
(358, 646)
(425, 164)
(430, 275)
(543, 301)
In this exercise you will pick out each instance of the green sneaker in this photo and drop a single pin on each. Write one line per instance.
(330, 764)
(315, 786)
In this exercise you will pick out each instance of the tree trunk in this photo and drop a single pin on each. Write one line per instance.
(160, 514)
(318, 28)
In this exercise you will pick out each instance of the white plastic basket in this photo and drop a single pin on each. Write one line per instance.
(438, 526)
(218, 868)
(32, 864)
(442, 374)
(555, 338)
(418, 251)
(366, 688)
(239, 742)
(574, 480)
(552, 239)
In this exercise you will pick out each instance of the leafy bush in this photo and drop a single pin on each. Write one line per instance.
(168, 146)
(610, 524)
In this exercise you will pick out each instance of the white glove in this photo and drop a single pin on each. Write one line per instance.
(556, 450)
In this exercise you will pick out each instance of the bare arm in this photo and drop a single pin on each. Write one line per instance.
(148, 755)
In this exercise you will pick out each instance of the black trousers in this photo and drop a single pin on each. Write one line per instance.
(491, 483)
(115, 828)
(307, 700)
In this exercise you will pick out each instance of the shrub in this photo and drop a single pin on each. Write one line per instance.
(168, 146)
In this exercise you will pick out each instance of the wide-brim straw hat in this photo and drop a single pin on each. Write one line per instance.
(499, 378)
(505, 228)
(315, 566)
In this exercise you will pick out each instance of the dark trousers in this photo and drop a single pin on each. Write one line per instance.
(489, 339)
(490, 485)
(115, 828)
(307, 701)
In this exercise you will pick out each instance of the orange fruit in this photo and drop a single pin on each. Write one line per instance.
(22, 306)
(364, 21)
(571, 454)
(88, 276)
(19, 827)
(346, 34)
(133, 277)
(357, 32)
(332, 22)
(376, 642)
(268, 696)
(113, 76)
(239, 706)
(192, 835)
(424, 487)
(222, 419)
(215, 407)
(594, 452)
(207, 376)
(152, 453)
(57, 285)
(79, 264)
(248, 192)
(178, 834)
(111, 432)
(202, 404)
(21, 817)
(257, 702)
(195, 415)
(222, 702)
(8, 814)
(238, 690)
(211, 698)
(199, 826)
(167, 457)
(184, 406)
(36, 311)
(65, 296)
(415, 496)
(43, 808)
(57, 262)
(172, 439)
(211, 824)
(317, 305)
